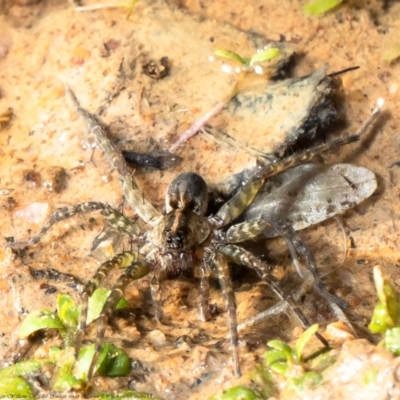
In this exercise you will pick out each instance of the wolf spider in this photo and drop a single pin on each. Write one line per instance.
(185, 229)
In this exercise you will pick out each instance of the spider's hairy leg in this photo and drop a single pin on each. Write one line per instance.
(136, 268)
(243, 257)
(114, 157)
(224, 278)
(205, 309)
(145, 210)
(242, 199)
(303, 250)
(246, 230)
(155, 290)
(282, 305)
(114, 217)
(122, 260)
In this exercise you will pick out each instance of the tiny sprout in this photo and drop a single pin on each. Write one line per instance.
(386, 317)
(264, 55)
(319, 7)
(259, 57)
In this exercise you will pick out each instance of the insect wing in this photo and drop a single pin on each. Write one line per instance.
(311, 193)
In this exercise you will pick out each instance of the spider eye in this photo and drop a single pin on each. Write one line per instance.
(180, 236)
(175, 240)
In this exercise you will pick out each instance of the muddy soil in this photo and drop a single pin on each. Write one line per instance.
(46, 163)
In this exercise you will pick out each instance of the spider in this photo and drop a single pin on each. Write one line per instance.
(185, 235)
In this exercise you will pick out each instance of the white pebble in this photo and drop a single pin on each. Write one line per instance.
(35, 213)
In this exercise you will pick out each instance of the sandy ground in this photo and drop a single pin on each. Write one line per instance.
(48, 45)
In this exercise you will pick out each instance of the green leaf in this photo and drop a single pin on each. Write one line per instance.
(392, 340)
(309, 380)
(303, 340)
(281, 367)
(263, 56)
(15, 387)
(380, 321)
(262, 380)
(237, 393)
(282, 346)
(273, 356)
(64, 379)
(387, 312)
(231, 56)
(97, 301)
(113, 361)
(322, 361)
(82, 365)
(44, 320)
(22, 368)
(319, 7)
(67, 311)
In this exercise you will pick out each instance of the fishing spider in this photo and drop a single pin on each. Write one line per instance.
(184, 233)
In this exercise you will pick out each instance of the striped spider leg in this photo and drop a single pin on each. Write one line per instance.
(135, 268)
(113, 217)
(143, 208)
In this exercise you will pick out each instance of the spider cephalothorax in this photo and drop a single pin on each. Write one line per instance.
(184, 235)
(183, 228)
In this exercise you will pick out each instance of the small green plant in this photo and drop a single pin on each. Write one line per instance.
(386, 316)
(238, 392)
(250, 64)
(300, 372)
(260, 386)
(290, 362)
(70, 371)
(319, 7)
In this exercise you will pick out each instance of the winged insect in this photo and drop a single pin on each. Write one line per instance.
(306, 194)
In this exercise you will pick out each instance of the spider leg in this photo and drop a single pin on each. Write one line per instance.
(133, 195)
(122, 260)
(246, 230)
(244, 257)
(205, 309)
(135, 269)
(281, 306)
(155, 290)
(114, 157)
(242, 199)
(114, 218)
(224, 278)
(302, 249)
(108, 236)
